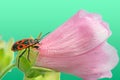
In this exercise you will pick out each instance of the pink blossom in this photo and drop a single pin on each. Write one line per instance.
(79, 47)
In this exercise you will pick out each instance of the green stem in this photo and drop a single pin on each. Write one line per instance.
(6, 70)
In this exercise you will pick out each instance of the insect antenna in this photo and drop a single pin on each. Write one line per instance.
(41, 37)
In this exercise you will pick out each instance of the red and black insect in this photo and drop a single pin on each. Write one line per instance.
(25, 44)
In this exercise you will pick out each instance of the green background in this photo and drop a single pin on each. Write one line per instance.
(22, 18)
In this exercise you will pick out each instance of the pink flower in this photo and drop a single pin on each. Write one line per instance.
(79, 47)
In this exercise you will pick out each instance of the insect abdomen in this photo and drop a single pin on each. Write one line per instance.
(22, 44)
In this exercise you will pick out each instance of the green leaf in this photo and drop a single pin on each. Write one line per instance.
(47, 76)
(36, 71)
(1, 54)
(24, 63)
(6, 55)
(2, 44)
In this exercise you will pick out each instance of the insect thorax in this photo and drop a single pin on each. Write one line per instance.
(36, 41)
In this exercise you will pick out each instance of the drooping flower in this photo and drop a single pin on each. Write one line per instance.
(79, 47)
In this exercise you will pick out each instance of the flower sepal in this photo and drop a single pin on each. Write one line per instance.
(31, 71)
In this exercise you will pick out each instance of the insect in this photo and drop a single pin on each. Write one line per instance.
(25, 44)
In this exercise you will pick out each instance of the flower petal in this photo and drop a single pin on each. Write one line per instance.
(79, 47)
(93, 64)
(83, 30)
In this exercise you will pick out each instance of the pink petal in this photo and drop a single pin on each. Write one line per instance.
(83, 30)
(78, 47)
(93, 64)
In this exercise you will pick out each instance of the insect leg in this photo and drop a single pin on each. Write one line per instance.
(36, 47)
(21, 56)
(28, 56)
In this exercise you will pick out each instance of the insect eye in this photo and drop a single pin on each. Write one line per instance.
(36, 41)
